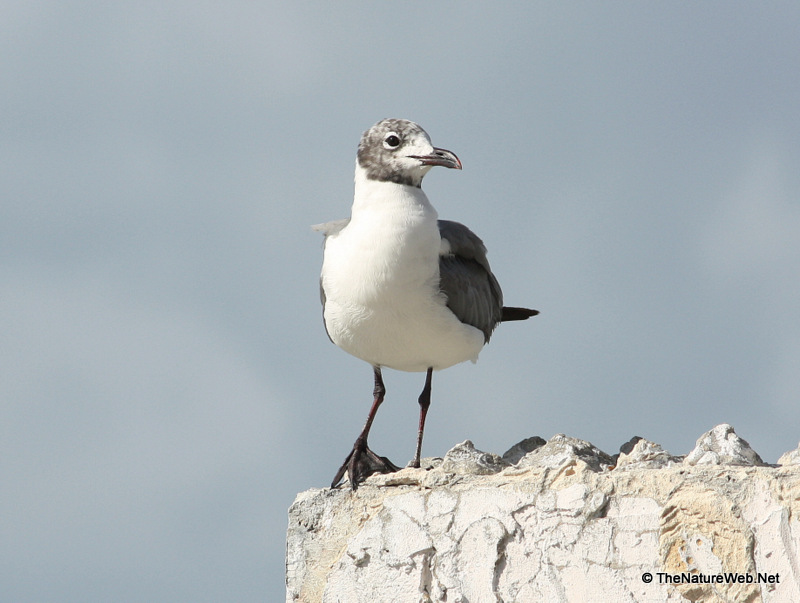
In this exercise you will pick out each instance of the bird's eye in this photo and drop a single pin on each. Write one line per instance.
(392, 141)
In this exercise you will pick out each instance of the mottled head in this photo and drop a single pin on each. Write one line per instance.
(398, 150)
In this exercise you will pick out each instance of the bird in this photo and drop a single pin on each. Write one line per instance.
(400, 288)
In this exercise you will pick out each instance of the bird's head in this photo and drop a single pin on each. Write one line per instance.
(400, 151)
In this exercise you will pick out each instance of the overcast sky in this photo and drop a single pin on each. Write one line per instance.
(166, 384)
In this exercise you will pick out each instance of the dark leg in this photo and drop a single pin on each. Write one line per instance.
(362, 462)
(424, 403)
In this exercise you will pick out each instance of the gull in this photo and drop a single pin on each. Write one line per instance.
(400, 288)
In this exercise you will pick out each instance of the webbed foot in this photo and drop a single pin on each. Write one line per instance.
(361, 463)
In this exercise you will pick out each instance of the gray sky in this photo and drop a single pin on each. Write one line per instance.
(166, 382)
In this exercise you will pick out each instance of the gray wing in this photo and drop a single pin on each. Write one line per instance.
(328, 229)
(473, 293)
(331, 228)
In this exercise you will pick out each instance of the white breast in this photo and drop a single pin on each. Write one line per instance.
(380, 275)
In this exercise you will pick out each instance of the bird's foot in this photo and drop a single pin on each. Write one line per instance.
(361, 463)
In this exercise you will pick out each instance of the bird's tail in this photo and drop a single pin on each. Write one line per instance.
(517, 314)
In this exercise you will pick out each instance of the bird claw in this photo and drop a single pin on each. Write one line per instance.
(361, 463)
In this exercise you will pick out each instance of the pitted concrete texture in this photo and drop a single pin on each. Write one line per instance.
(565, 523)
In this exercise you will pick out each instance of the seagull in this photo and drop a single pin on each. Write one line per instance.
(400, 288)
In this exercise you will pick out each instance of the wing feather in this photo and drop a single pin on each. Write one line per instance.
(328, 229)
(473, 293)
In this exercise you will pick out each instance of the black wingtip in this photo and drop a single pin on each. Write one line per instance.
(517, 314)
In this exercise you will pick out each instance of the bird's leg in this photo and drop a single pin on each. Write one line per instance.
(362, 462)
(424, 403)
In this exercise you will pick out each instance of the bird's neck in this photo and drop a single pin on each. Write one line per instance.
(376, 197)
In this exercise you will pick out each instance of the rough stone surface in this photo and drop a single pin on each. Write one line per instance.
(463, 459)
(721, 446)
(644, 454)
(790, 458)
(562, 524)
(520, 449)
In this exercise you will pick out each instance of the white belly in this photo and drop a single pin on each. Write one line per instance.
(409, 337)
(383, 305)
